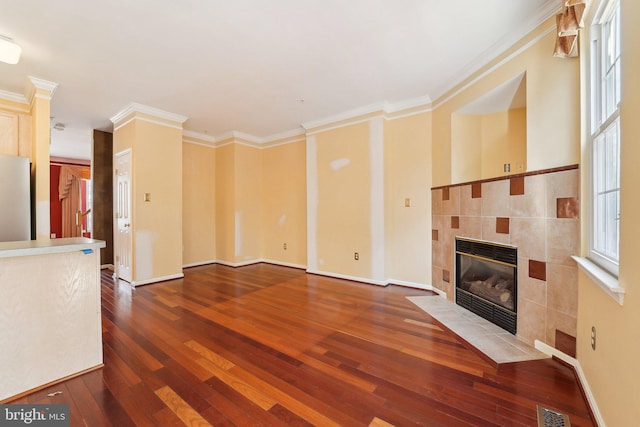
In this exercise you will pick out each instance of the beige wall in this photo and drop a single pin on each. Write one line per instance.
(482, 143)
(504, 140)
(156, 154)
(238, 203)
(407, 175)
(466, 147)
(284, 207)
(552, 86)
(225, 203)
(343, 217)
(198, 204)
(248, 204)
(157, 169)
(612, 370)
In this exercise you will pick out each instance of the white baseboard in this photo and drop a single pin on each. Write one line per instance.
(415, 285)
(347, 277)
(284, 264)
(550, 351)
(238, 264)
(198, 264)
(156, 279)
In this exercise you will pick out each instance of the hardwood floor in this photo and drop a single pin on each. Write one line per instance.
(270, 345)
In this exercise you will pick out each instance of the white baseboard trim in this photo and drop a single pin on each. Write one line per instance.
(156, 279)
(443, 294)
(198, 264)
(550, 351)
(347, 277)
(415, 285)
(284, 264)
(238, 264)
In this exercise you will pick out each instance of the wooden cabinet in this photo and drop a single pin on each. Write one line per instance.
(15, 134)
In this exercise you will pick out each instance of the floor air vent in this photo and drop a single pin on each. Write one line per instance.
(549, 418)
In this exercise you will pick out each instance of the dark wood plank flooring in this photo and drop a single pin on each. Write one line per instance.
(265, 345)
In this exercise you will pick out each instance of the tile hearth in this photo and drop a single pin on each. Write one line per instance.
(491, 340)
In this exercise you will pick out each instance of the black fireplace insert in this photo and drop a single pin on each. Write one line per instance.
(487, 280)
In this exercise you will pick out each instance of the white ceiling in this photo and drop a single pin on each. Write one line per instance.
(246, 65)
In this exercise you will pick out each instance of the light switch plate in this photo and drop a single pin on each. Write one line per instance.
(147, 197)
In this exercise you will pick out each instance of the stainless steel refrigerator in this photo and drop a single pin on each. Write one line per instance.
(15, 198)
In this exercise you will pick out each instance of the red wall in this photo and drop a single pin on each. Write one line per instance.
(56, 205)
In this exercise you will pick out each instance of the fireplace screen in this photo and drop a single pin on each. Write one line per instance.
(486, 281)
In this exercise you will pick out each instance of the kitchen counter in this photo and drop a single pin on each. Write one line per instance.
(49, 313)
(41, 247)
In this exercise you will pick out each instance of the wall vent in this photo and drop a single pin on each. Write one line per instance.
(549, 418)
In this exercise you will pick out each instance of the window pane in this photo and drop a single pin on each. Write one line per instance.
(618, 80)
(595, 88)
(605, 101)
(613, 207)
(599, 162)
(600, 230)
(611, 165)
(610, 92)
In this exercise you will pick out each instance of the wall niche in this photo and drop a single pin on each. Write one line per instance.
(489, 134)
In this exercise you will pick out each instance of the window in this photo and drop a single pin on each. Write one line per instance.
(605, 137)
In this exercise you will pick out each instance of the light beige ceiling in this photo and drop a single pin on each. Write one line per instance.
(246, 65)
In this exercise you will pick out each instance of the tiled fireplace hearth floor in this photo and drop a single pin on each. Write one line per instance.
(491, 340)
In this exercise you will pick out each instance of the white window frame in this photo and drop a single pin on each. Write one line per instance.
(604, 120)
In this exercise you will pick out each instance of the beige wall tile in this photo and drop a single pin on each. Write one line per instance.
(560, 185)
(531, 321)
(436, 202)
(531, 204)
(562, 289)
(529, 235)
(533, 290)
(437, 254)
(557, 320)
(470, 226)
(436, 277)
(563, 240)
(489, 231)
(468, 205)
(452, 206)
(495, 198)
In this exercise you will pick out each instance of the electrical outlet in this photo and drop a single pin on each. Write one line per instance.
(356, 256)
(593, 338)
(284, 246)
(507, 167)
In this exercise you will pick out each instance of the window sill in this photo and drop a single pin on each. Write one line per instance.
(602, 278)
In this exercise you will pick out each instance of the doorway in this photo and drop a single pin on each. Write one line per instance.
(70, 198)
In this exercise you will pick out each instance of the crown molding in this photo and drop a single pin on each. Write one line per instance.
(283, 135)
(13, 97)
(34, 84)
(378, 107)
(543, 13)
(420, 101)
(447, 96)
(247, 137)
(134, 107)
(199, 136)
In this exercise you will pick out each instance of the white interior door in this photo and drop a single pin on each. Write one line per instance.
(122, 216)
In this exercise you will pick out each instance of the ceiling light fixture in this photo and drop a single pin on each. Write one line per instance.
(9, 51)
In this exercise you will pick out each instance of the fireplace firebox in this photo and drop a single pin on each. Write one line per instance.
(487, 280)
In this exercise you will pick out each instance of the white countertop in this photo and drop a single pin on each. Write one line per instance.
(53, 246)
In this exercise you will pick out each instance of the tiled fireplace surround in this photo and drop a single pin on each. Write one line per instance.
(538, 213)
